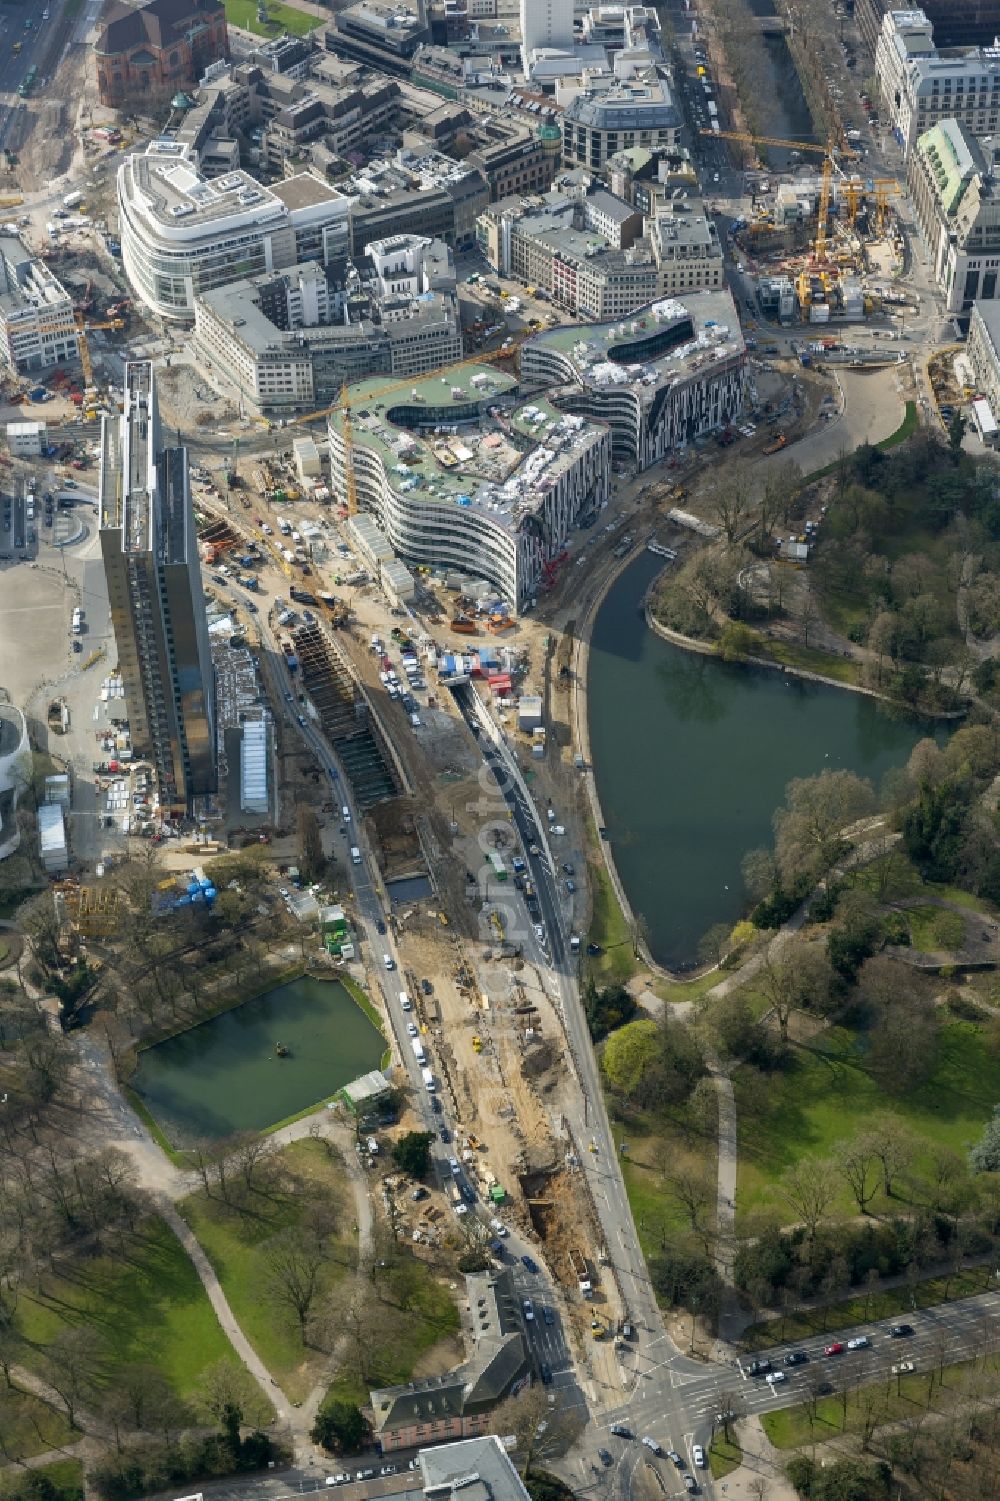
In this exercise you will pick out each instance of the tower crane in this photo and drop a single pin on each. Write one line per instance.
(83, 325)
(829, 152)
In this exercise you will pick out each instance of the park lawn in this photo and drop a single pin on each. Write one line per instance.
(688, 990)
(809, 659)
(608, 928)
(724, 1456)
(431, 1318)
(30, 1425)
(65, 1474)
(151, 1309)
(651, 1141)
(281, 18)
(931, 928)
(935, 1388)
(825, 1096)
(864, 1307)
(237, 1246)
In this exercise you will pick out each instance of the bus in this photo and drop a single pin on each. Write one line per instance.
(498, 867)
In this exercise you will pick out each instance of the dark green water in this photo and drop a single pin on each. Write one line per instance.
(692, 756)
(225, 1076)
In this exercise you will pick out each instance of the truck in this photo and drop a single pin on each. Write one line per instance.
(405, 1004)
(74, 199)
(776, 445)
(578, 1263)
(497, 866)
(418, 1050)
(428, 1078)
(455, 1195)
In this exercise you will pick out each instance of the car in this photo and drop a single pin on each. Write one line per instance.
(569, 869)
(444, 1133)
(548, 1316)
(698, 1455)
(571, 887)
(412, 1030)
(715, 176)
(379, 925)
(388, 1470)
(427, 987)
(758, 1367)
(388, 961)
(900, 1331)
(621, 1430)
(902, 1367)
(545, 1371)
(836, 1348)
(690, 1484)
(436, 1105)
(652, 1443)
(529, 1264)
(539, 932)
(455, 1166)
(775, 1378)
(605, 1457)
(528, 1309)
(364, 1474)
(859, 1342)
(796, 1357)
(675, 1458)
(595, 950)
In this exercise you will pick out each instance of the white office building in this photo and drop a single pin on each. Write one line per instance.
(183, 234)
(37, 327)
(919, 86)
(545, 23)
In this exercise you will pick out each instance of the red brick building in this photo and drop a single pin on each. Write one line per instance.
(158, 49)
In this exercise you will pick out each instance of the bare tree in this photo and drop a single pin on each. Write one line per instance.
(859, 1164)
(541, 1431)
(809, 1187)
(294, 1263)
(731, 505)
(73, 1363)
(694, 1193)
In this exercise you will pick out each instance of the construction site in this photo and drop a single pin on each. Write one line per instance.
(823, 245)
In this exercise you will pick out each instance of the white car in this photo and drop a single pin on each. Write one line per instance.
(539, 932)
(529, 1310)
(698, 1455)
(775, 1378)
(715, 176)
(388, 961)
(861, 1342)
(903, 1367)
(412, 1029)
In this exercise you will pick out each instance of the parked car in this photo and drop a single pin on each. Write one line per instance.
(758, 1367)
(605, 1457)
(698, 1455)
(532, 1266)
(900, 1331)
(836, 1348)
(775, 1378)
(621, 1430)
(796, 1357)
(859, 1342)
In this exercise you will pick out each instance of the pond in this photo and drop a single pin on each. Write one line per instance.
(692, 756)
(225, 1075)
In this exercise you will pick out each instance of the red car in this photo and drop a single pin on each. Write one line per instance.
(835, 1349)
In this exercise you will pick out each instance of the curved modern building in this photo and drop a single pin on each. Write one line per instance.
(183, 234)
(15, 774)
(461, 478)
(667, 374)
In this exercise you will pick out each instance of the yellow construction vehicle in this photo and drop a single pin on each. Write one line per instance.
(83, 325)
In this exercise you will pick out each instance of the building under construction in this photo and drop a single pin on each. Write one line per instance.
(344, 718)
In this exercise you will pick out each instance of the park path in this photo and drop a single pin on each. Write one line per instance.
(113, 1122)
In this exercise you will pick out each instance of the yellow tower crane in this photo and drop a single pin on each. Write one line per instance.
(829, 152)
(82, 325)
(351, 483)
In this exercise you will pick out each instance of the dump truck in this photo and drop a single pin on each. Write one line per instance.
(581, 1272)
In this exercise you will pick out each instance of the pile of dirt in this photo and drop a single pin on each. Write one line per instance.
(393, 832)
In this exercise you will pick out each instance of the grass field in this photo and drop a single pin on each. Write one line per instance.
(608, 928)
(149, 1309)
(687, 990)
(65, 1474)
(935, 928)
(724, 1457)
(281, 18)
(932, 1390)
(863, 1307)
(905, 430)
(237, 1246)
(30, 1426)
(808, 659)
(825, 1096)
(431, 1317)
(652, 1142)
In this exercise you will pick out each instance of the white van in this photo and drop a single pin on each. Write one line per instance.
(345, 813)
(355, 855)
(428, 1079)
(405, 1004)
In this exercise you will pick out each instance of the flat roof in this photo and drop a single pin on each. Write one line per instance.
(599, 352)
(500, 465)
(304, 190)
